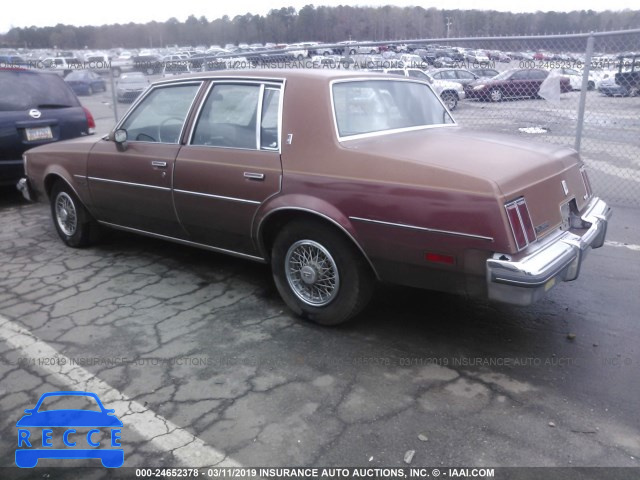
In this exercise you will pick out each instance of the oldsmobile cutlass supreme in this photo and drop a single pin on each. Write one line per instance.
(337, 179)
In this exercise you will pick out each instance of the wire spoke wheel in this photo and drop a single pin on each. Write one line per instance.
(312, 273)
(66, 215)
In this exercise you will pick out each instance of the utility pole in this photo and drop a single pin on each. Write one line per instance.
(449, 22)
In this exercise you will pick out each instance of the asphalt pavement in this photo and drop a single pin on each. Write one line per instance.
(205, 365)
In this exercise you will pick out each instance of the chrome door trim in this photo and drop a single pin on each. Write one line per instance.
(184, 242)
(131, 184)
(218, 197)
(422, 229)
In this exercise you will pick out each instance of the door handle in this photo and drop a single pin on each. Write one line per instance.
(254, 176)
(159, 164)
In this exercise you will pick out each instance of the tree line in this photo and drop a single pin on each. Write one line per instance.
(323, 24)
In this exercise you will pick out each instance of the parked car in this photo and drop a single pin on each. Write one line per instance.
(610, 88)
(484, 72)
(514, 83)
(63, 66)
(355, 48)
(477, 58)
(458, 75)
(35, 108)
(98, 63)
(445, 62)
(12, 61)
(85, 82)
(175, 68)
(628, 76)
(575, 78)
(368, 178)
(450, 92)
(130, 86)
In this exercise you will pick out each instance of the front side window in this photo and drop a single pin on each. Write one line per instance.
(161, 115)
(378, 106)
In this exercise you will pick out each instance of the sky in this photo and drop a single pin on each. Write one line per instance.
(43, 13)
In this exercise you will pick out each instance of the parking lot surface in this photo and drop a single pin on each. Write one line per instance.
(205, 365)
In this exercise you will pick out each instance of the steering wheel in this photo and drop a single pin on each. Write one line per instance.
(164, 122)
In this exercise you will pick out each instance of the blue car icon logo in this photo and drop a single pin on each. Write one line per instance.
(69, 433)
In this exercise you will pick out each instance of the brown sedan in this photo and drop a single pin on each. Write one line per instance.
(337, 179)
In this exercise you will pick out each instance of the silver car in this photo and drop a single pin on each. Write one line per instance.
(130, 86)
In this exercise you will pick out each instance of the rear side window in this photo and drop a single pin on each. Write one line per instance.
(24, 90)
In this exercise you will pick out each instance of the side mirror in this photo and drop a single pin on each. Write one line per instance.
(120, 139)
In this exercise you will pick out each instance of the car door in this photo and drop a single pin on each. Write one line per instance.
(231, 163)
(536, 77)
(518, 84)
(464, 77)
(131, 187)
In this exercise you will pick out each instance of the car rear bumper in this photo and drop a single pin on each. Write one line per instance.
(524, 280)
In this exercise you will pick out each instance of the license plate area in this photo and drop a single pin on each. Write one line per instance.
(38, 133)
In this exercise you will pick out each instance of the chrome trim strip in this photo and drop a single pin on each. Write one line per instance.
(184, 242)
(218, 197)
(196, 118)
(422, 229)
(302, 209)
(82, 177)
(131, 184)
(259, 117)
(385, 132)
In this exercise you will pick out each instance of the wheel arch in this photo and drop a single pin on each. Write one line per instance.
(51, 177)
(273, 221)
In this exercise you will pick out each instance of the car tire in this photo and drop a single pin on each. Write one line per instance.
(495, 95)
(74, 224)
(450, 99)
(591, 85)
(91, 90)
(319, 273)
(352, 52)
(116, 72)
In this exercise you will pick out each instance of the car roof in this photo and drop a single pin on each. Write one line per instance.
(279, 75)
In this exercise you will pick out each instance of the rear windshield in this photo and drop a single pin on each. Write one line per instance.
(365, 107)
(24, 90)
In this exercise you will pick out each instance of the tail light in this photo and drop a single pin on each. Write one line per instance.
(90, 121)
(520, 221)
(587, 183)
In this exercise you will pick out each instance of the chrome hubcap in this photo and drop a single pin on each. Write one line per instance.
(312, 273)
(66, 214)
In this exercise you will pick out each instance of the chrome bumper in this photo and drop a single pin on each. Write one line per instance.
(524, 280)
(25, 189)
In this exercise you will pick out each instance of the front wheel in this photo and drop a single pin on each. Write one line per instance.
(496, 95)
(320, 275)
(74, 224)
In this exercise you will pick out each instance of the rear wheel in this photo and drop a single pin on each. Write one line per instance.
(320, 275)
(73, 222)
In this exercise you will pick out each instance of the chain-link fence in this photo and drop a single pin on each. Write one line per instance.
(575, 90)
(578, 90)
